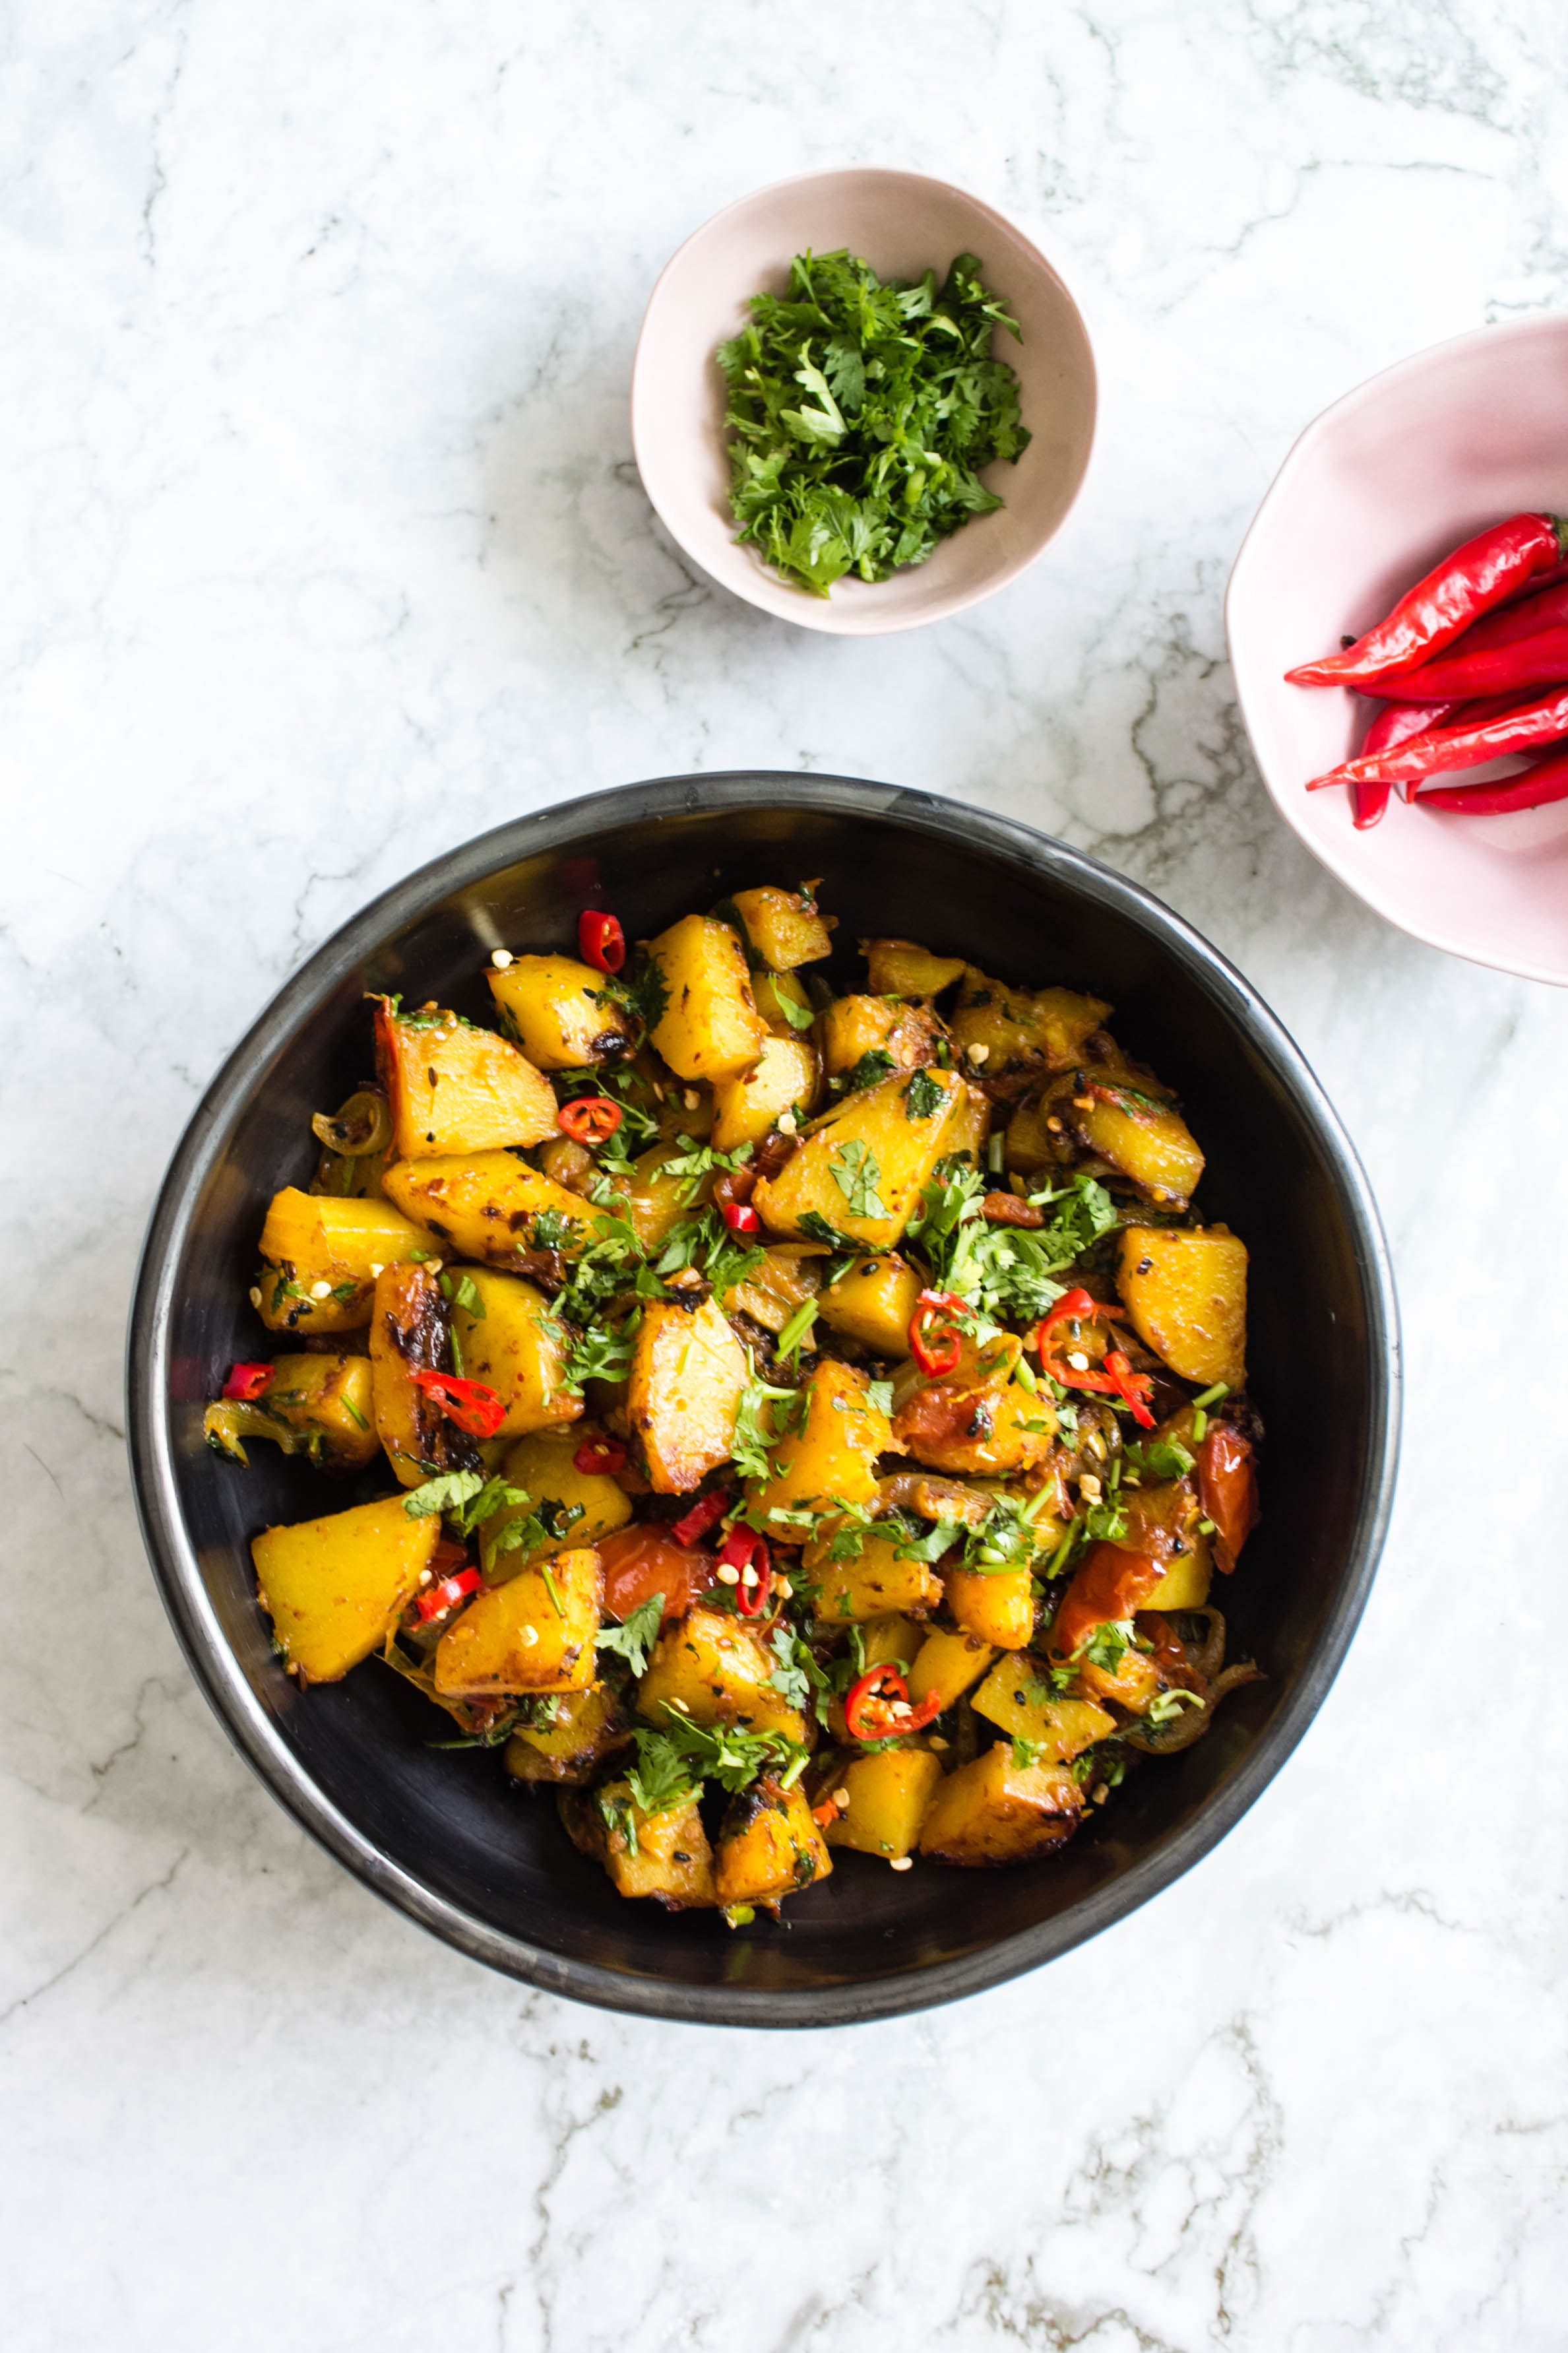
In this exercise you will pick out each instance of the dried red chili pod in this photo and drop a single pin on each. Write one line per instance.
(600, 940)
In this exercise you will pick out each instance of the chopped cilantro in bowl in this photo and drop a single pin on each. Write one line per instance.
(861, 413)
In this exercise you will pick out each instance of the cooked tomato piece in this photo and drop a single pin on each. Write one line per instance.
(640, 1561)
(1228, 1489)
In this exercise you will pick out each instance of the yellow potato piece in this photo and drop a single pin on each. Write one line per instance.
(868, 1585)
(335, 1587)
(534, 1634)
(784, 928)
(315, 1239)
(901, 968)
(874, 1302)
(671, 1860)
(517, 1348)
(454, 1088)
(318, 1405)
(889, 1797)
(563, 1012)
(543, 1465)
(994, 1811)
(713, 1669)
(861, 1175)
(833, 1456)
(769, 1846)
(999, 1609)
(711, 1027)
(783, 1078)
(1017, 1695)
(948, 1664)
(1185, 1291)
(688, 1372)
(486, 1208)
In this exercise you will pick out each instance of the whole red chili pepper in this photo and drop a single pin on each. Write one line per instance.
(741, 1218)
(600, 940)
(589, 1119)
(446, 1596)
(935, 1341)
(1543, 607)
(743, 1549)
(1397, 723)
(702, 1517)
(1464, 746)
(1546, 781)
(472, 1406)
(249, 1381)
(1075, 1307)
(883, 1688)
(603, 1455)
(1468, 670)
(1455, 593)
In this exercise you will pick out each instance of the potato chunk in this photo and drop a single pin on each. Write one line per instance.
(1022, 1033)
(534, 1634)
(1136, 1133)
(563, 1012)
(1185, 1291)
(688, 1372)
(664, 1855)
(713, 1668)
(783, 928)
(1166, 1522)
(543, 1465)
(901, 968)
(779, 996)
(948, 1664)
(318, 1405)
(994, 1811)
(833, 1455)
(487, 1207)
(456, 1088)
(513, 1343)
(769, 1846)
(1018, 1697)
(861, 1175)
(998, 1608)
(868, 1583)
(783, 1078)
(711, 1027)
(335, 1587)
(889, 1797)
(873, 1302)
(585, 1728)
(314, 1242)
(896, 1037)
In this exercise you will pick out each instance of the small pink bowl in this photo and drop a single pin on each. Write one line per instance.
(1373, 493)
(903, 225)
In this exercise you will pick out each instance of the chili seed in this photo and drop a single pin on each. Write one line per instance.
(728, 1576)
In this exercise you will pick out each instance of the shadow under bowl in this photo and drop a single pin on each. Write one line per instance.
(443, 1836)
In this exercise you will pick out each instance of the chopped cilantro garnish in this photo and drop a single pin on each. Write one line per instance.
(856, 1174)
(922, 1096)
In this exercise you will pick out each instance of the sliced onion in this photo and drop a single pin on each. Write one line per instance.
(1193, 1722)
(359, 1127)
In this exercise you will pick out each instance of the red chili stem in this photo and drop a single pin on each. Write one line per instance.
(589, 1119)
(600, 940)
(1524, 729)
(247, 1382)
(1443, 605)
(696, 1522)
(471, 1404)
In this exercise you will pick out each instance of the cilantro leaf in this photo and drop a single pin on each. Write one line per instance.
(636, 1636)
(922, 1096)
(856, 1173)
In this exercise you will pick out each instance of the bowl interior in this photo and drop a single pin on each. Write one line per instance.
(903, 225)
(1373, 494)
(444, 1833)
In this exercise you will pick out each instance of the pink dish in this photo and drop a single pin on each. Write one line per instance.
(1375, 492)
(902, 224)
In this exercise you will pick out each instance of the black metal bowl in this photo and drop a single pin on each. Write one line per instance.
(443, 1835)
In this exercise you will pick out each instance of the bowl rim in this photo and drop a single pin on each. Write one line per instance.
(1300, 449)
(816, 611)
(178, 1575)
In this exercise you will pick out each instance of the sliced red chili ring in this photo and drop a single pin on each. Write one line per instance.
(1075, 1307)
(1130, 1386)
(472, 1406)
(741, 1218)
(696, 1522)
(744, 1549)
(446, 1595)
(247, 1381)
(604, 1455)
(935, 1341)
(600, 940)
(883, 1687)
(589, 1119)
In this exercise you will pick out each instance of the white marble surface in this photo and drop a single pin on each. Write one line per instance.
(318, 330)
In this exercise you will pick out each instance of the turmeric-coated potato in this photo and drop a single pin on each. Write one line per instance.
(865, 1583)
(1166, 1522)
(453, 1088)
(781, 1001)
(783, 1079)
(710, 1028)
(1018, 1696)
(322, 1255)
(534, 1634)
(994, 1811)
(317, 1405)
(1137, 1133)
(664, 1854)
(999, 1607)
(688, 1372)
(507, 1337)
(831, 1457)
(768, 1846)
(898, 1037)
(408, 1336)
(487, 1207)
(901, 968)
(784, 927)
(713, 1668)
(1014, 1034)
(860, 1176)
(584, 1505)
(874, 1302)
(584, 1727)
(335, 1587)
(948, 1664)
(889, 1797)
(1185, 1291)
(563, 1014)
